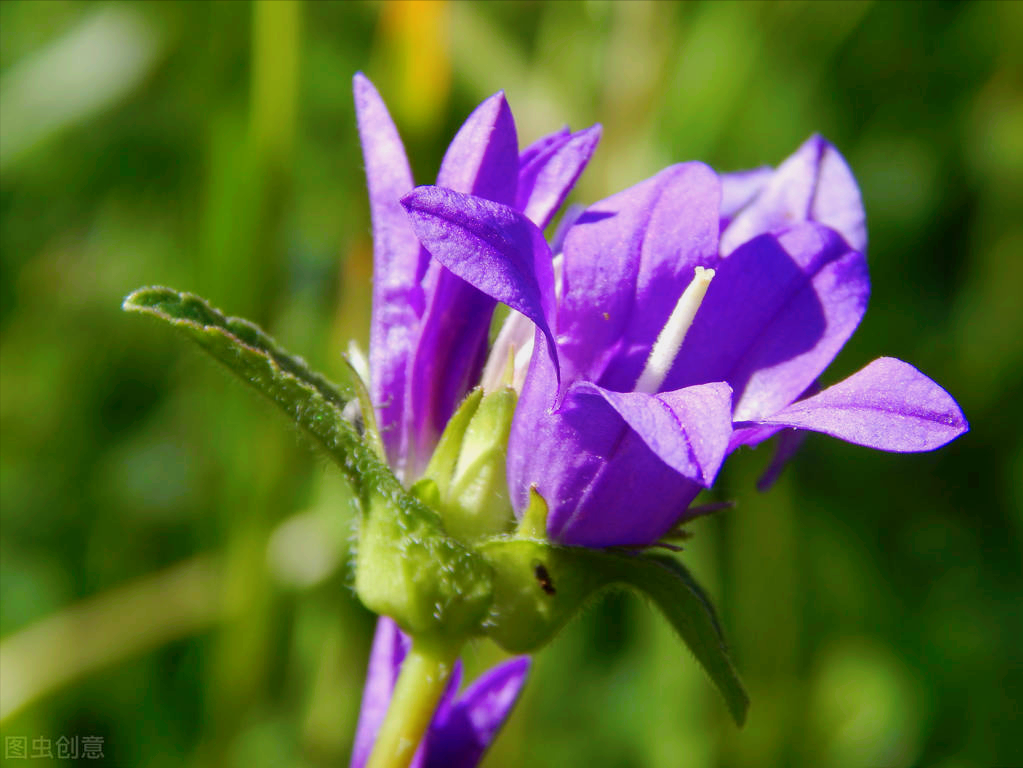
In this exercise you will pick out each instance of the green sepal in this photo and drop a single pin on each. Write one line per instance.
(533, 524)
(426, 490)
(468, 467)
(371, 432)
(406, 567)
(441, 468)
(539, 586)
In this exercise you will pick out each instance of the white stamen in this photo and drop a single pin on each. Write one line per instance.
(673, 334)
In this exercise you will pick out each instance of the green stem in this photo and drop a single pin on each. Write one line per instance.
(424, 675)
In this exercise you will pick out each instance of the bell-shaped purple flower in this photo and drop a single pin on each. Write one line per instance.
(637, 389)
(463, 727)
(428, 335)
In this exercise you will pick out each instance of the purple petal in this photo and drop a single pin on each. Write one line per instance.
(750, 436)
(548, 176)
(889, 405)
(449, 358)
(461, 737)
(687, 429)
(399, 263)
(636, 249)
(543, 143)
(568, 220)
(778, 311)
(603, 483)
(390, 645)
(482, 160)
(739, 189)
(814, 184)
(490, 246)
(753, 436)
(631, 501)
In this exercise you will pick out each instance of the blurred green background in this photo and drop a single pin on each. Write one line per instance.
(173, 556)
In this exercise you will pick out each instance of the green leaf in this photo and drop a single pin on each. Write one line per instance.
(311, 401)
(688, 609)
(538, 587)
(406, 566)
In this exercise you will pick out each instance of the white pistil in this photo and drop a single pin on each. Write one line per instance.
(673, 334)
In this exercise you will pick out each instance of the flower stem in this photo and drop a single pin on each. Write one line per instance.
(424, 675)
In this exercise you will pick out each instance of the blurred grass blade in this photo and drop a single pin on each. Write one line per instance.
(89, 68)
(108, 628)
(311, 401)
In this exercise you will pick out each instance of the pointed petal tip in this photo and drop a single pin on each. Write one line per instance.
(954, 417)
(888, 405)
(497, 690)
(498, 100)
(518, 667)
(418, 196)
(362, 84)
(588, 138)
(817, 144)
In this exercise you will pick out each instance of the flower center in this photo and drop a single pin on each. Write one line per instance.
(673, 334)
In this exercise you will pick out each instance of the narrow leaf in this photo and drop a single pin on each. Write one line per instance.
(689, 610)
(311, 401)
(538, 587)
(406, 567)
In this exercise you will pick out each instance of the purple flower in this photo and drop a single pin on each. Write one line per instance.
(428, 335)
(462, 727)
(695, 315)
(427, 347)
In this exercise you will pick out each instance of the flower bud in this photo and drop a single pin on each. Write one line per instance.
(465, 480)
